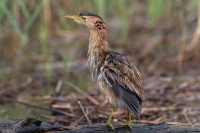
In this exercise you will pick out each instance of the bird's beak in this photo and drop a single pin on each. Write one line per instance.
(74, 17)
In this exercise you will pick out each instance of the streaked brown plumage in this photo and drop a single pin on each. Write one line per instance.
(118, 79)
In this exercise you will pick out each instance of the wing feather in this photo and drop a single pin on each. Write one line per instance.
(125, 80)
(127, 74)
(131, 99)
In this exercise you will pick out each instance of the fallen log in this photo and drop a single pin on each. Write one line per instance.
(28, 125)
(138, 129)
(31, 125)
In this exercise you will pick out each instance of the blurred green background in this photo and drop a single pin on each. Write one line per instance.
(35, 41)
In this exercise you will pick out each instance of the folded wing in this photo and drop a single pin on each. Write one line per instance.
(125, 80)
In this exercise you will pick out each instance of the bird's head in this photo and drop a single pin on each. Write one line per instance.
(90, 20)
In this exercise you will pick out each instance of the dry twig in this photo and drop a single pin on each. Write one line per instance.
(84, 113)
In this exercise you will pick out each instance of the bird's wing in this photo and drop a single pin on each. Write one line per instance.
(125, 79)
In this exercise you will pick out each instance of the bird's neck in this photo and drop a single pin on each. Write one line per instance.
(97, 51)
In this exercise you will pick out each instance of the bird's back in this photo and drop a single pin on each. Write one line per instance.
(124, 80)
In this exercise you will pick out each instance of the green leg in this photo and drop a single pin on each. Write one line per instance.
(129, 123)
(110, 119)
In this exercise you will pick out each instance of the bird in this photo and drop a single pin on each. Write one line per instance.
(117, 78)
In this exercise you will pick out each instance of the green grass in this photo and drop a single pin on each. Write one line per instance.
(32, 14)
(26, 21)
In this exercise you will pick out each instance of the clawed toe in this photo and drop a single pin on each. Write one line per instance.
(110, 125)
(129, 125)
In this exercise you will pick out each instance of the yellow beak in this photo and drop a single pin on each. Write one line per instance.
(74, 17)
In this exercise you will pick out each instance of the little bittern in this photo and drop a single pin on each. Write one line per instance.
(117, 78)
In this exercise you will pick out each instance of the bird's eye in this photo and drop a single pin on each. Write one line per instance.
(83, 17)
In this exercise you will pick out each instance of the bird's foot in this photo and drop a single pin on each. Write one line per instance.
(110, 125)
(129, 124)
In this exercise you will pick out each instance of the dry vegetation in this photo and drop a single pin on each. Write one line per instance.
(42, 60)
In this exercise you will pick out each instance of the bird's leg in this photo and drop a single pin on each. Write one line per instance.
(110, 118)
(129, 123)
